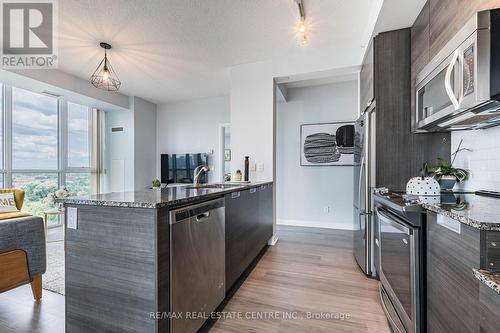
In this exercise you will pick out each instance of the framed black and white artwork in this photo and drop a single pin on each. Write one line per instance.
(327, 144)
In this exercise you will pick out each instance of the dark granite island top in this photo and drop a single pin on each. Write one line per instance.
(158, 198)
(479, 212)
(119, 259)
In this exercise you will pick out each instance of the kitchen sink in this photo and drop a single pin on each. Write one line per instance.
(214, 186)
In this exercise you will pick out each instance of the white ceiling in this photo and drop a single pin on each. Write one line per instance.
(172, 50)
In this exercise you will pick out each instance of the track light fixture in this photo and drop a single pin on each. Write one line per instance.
(303, 27)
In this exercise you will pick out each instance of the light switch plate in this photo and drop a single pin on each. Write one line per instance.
(72, 218)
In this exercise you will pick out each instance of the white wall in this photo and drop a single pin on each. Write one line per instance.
(192, 127)
(252, 100)
(135, 146)
(119, 146)
(302, 193)
(145, 156)
(483, 162)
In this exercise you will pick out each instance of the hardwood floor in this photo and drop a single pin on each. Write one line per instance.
(19, 313)
(309, 270)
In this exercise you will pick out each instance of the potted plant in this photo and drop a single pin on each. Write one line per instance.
(447, 175)
(156, 183)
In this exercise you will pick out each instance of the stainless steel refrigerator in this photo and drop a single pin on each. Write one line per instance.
(364, 177)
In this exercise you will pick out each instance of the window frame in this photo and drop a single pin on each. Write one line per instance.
(62, 141)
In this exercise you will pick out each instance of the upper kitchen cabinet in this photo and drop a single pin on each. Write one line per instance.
(448, 16)
(420, 41)
(366, 90)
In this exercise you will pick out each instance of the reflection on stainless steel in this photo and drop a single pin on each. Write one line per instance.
(400, 220)
(364, 171)
(197, 264)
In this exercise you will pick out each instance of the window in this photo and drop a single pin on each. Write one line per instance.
(34, 131)
(37, 187)
(46, 145)
(78, 183)
(78, 136)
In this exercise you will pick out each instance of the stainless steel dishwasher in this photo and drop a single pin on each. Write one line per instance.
(197, 264)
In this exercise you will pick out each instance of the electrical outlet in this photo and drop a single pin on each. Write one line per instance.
(260, 167)
(253, 167)
(326, 209)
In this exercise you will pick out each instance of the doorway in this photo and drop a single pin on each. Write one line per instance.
(225, 152)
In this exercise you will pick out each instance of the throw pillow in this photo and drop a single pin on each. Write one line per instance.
(7, 203)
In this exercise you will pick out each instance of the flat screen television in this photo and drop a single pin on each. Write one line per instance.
(179, 168)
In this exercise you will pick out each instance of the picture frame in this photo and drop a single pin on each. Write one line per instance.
(227, 155)
(327, 144)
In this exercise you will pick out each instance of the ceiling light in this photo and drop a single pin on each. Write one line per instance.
(303, 25)
(104, 76)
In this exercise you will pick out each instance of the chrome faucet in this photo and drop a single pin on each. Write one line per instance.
(198, 172)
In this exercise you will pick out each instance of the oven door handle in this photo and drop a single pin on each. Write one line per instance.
(392, 221)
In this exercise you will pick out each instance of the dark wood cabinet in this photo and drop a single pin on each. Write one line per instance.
(420, 41)
(447, 17)
(392, 95)
(266, 211)
(489, 309)
(249, 226)
(389, 58)
(452, 289)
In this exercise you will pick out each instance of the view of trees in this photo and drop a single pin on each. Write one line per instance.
(38, 188)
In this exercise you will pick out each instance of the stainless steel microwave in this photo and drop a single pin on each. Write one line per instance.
(460, 88)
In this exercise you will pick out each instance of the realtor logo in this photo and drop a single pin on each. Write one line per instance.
(28, 34)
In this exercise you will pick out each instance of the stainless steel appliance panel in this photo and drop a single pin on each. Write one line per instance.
(362, 219)
(458, 89)
(400, 267)
(197, 268)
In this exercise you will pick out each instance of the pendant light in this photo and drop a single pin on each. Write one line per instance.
(104, 76)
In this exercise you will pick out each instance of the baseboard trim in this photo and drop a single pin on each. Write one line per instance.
(316, 224)
(273, 240)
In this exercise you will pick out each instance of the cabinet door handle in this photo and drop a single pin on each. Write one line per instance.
(235, 195)
(253, 190)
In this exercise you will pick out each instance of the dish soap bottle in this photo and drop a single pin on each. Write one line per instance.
(237, 175)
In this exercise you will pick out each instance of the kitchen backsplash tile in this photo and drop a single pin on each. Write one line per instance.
(483, 162)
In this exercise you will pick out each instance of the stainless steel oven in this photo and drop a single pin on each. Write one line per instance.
(460, 87)
(401, 269)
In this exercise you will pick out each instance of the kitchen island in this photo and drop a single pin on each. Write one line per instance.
(122, 256)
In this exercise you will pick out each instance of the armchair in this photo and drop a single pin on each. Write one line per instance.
(22, 249)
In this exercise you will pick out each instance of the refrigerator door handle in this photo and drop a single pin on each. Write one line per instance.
(362, 210)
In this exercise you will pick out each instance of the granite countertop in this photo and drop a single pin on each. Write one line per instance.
(477, 211)
(158, 198)
(490, 279)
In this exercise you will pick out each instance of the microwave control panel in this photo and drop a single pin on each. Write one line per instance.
(468, 71)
